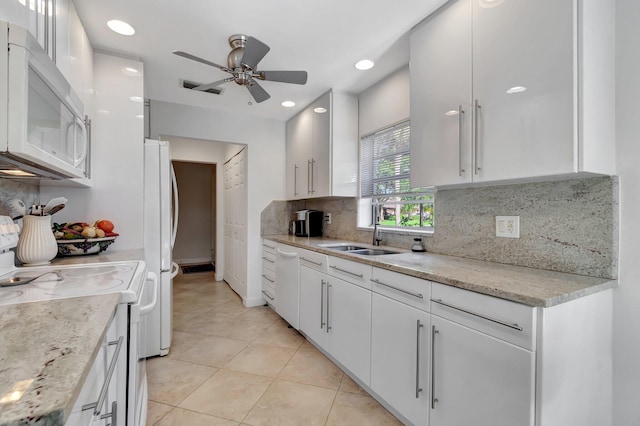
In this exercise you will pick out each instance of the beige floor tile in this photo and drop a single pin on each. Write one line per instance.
(212, 351)
(241, 330)
(312, 368)
(227, 394)
(203, 324)
(281, 335)
(181, 341)
(182, 417)
(352, 409)
(287, 403)
(262, 314)
(155, 411)
(307, 346)
(348, 385)
(264, 360)
(170, 380)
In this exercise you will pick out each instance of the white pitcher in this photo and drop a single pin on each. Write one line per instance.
(36, 245)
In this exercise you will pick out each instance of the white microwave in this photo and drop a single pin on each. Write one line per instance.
(43, 129)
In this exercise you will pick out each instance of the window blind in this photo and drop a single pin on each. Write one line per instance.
(385, 162)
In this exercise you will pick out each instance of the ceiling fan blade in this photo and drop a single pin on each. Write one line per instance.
(195, 58)
(208, 86)
(254, 51)
(295, 77)
(258, 93)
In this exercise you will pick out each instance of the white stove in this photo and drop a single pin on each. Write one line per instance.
(128, 278)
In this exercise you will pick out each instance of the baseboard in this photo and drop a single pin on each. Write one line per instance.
(219, 276)
(189, 260)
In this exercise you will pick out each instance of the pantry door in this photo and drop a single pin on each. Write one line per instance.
(235, 229)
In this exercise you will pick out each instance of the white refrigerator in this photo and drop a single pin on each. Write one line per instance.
(160, 225)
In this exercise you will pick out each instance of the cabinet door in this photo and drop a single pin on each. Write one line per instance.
(479, 380)
(321, 147)
(349, 323)
(288, 285)
(523, 83)
(299, 135)
(313, 320)
(441, 96)
(400, 357)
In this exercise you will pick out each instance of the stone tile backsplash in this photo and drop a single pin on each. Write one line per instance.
(29, 193)
(567, 226)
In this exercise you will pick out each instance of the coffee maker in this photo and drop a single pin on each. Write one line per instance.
(308, 223)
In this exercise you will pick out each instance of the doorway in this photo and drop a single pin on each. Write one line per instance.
(196, 238)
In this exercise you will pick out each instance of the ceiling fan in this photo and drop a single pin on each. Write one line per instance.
(241, 64)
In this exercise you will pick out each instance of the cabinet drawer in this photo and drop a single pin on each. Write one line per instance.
(353, 272)
(269, 276)
(268, 260)
(269, 246)
(503, 319)
(313, 260)
(403, 288)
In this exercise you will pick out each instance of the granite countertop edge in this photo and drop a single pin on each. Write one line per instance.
(529, 286)
(59, 363)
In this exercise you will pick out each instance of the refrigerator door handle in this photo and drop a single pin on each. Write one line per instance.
(175, 268)
(174, 222)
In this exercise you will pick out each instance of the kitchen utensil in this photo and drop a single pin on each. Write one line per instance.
(26, 280)
(17, 208)
(54, 209)
(54, 203)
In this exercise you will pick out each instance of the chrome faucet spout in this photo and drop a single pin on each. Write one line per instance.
(376, 232)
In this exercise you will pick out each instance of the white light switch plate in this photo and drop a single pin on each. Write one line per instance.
(508, 226)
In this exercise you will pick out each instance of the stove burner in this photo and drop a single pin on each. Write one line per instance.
(10, 294)
(95, 271)
(80, 286)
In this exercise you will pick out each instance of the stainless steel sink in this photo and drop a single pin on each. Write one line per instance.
(342, 247)
(373, 252)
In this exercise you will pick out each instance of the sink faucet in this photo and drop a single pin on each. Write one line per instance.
(376, 232)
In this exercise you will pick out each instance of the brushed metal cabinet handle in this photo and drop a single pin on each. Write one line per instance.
(322, 323)
(460, 122)
(267, 278)
(346, 272)
(514, 326)
(268, 246)
(268, 295)
(310, 261)
(328, 322)
(268, 260)
(433, 364)
(475, 139)
(418, 295)
(295, 180)
(309, 191)
(418, 388)
(97, 406)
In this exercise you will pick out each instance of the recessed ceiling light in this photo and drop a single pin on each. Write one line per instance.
(452, 112)
(121, 27)
(516, 89)
(136, 98)
(364, 65)
(288, 104)
(139, 116)
(131, 71)
(320, 110)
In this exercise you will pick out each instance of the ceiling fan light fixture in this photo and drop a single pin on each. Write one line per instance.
(365, 64)
(288, 104)
(120, 27)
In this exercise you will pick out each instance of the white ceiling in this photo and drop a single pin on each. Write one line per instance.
(324, 37)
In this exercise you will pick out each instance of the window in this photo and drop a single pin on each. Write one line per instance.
(385, 186)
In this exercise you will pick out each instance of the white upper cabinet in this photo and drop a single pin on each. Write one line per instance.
(322, 148)
(511, 89)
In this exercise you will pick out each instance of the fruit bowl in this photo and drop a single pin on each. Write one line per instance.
(82, 246)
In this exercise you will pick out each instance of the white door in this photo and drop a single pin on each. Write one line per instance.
(235, 268)
(480, 380)
(441, 114)
(349, 323)
(313, 320)
(400, 346)
(523, 83)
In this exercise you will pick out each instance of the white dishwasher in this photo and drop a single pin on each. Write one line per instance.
(288, 285)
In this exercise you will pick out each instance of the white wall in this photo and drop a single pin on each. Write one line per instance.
(265, 139)
(117, 155)
(212, 152)
(626, 325)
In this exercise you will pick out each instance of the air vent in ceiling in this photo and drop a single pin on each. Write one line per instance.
(190, 85)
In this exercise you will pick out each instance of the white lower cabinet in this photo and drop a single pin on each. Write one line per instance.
(336, 316)
(400, 354)
(479, 380)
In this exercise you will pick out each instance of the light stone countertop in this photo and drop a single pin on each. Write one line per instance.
(529, 286)
(50, 347)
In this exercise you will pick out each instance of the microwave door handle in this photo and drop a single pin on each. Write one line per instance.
(77, 161)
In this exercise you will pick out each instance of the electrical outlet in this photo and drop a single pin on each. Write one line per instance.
(508, 226)
(327, 218)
